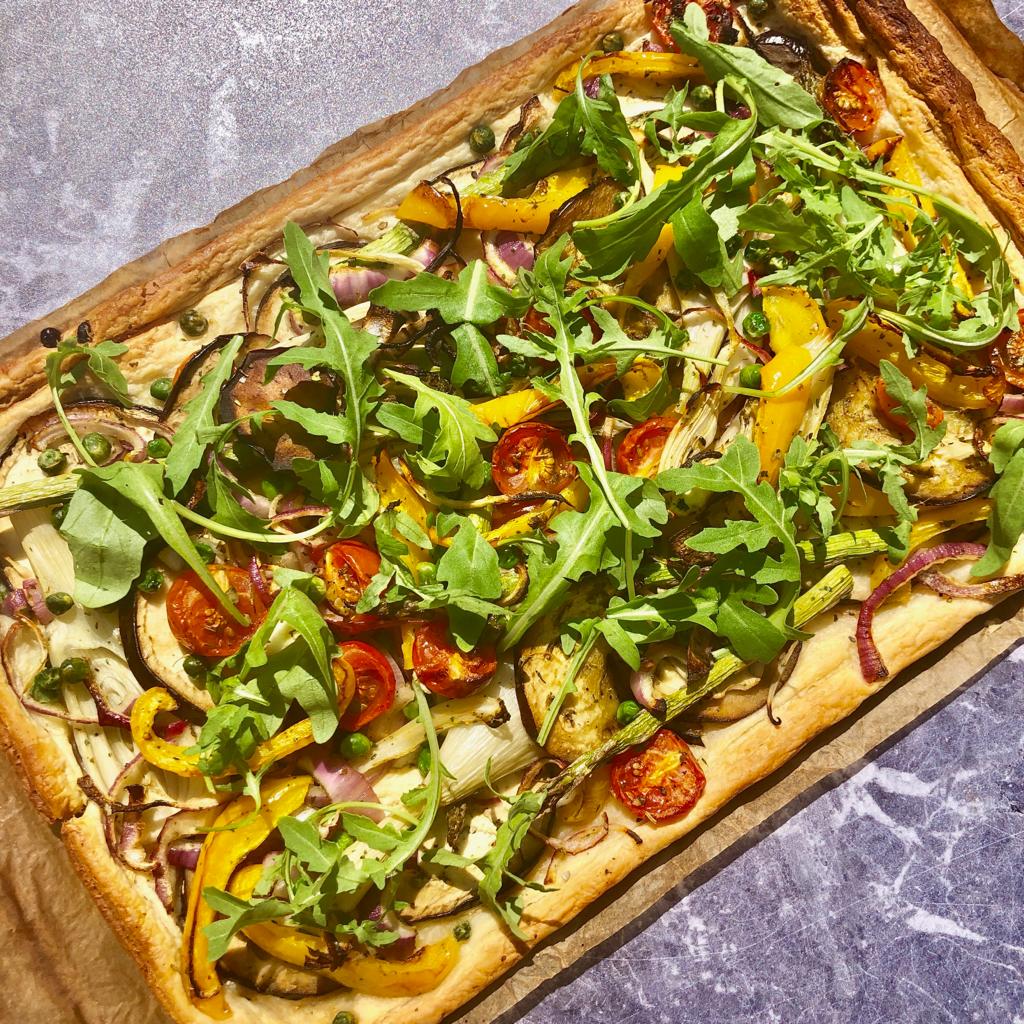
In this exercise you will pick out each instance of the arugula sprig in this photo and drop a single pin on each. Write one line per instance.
(320, 873)
(635, 507)
(846, 244)
(67, 365)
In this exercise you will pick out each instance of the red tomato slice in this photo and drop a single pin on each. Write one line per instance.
(347, 568)
(660, 781)
(887, 406)
(375, 684)
(532, 457)
(720, 22)
(853, 96)
(640, 450)
(199, 622)
(444, 669)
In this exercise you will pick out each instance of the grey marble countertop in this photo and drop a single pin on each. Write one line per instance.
(895, 895)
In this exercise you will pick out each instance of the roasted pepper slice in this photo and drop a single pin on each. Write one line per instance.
(798, 334)
(424, 971)
(221, 854)
(519, 406)
(876, 341)
(174, 759)
(395, 490)
(426, 205)
(646, 64)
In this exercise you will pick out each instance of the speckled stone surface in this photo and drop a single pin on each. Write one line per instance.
(895, 895)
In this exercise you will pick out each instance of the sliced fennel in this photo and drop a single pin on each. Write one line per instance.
(472, 754)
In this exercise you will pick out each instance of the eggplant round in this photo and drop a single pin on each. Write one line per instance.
(152, 650)
(587, 717)
(793, 54)
(597, 201)
(954, 471)
(732, 705)
(189, 377)
(254, 969)
(248, 391)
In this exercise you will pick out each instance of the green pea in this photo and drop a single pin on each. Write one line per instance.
(160, 389)
(627, 711)
(158, 448)
(344, 1017)
(73, 670)
(316, 589)
(424, 760)
(758, 252)
(481, 139)
(426, 572)
(411, 711)
(206, 553)
(703, 97)
(755, 325)
(462, 931)
(59, 602)
(57, 514)
(355, 744)
(51, 461)
(758, 8)
(193, 323)
(46, 686)
(750, 377)
(194, 666)
(97, 447)
(151, 582)
(612, 42)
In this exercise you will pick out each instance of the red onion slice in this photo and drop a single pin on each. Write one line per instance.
(319, 511)
(185, 854)
(1012, 405)
(259, 581)
(353, 285)
(14, 602)
(507, 253)
(948, 587)
(344, 784)
(34, 597)
(871, 665)
(641, 685)
(581, 841)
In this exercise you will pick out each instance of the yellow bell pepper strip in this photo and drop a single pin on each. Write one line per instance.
(641, 378)
(648, 65)
(395, 490)
(798, 334)
(174, 759)
(424, 971)
(639, 274)
(519, 406)
(876, 341)
(426, 205)
(220, 855)
(576, 496)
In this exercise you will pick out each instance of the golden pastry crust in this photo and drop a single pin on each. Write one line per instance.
(957, 147)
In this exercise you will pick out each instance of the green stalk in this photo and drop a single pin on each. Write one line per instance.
(827, 592)
(841, 546)
(37, 493)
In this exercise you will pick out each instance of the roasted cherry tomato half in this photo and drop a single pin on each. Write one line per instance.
(374, 684)
(532, 457)
(660, 781)
(1008, 353)
(853, 96)
(347, 568)
(199, 622)
(896, 421)
(721, 28)
(444, 669)
(640, 450)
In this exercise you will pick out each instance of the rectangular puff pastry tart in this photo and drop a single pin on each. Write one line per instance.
(395, 566)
